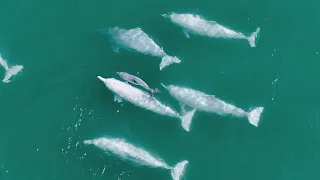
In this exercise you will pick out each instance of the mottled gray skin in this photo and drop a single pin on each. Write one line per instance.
(137, 81)
(136, 39)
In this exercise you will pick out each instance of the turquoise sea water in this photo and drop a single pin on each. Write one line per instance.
(57, 100)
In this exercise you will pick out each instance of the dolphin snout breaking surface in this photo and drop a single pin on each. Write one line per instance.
(101, 78)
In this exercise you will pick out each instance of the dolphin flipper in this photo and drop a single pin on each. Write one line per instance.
(254, 116)
(186, 33)
(178, 171)
(167, 60)
(117, 98)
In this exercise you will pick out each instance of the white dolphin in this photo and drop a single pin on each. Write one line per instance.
(143, 99)
(129, 152)
(210, 103)
(9, 71)
(195, 24)
(136, 39)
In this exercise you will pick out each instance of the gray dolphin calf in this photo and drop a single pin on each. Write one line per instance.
(137, 81)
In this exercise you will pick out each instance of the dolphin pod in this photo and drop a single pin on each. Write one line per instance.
(137, 155)
(137, 40)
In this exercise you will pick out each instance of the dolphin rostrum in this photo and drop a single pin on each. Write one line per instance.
(136, 39)
(143, 99)
(210, 103)
(9, 71)
(137, 81)
(137, 155)
(195, 24)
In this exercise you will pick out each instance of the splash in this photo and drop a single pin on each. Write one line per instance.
(72, 148)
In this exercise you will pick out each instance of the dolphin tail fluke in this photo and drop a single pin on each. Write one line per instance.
(185, 32)
(254, 116)
(167, 60)
(178, 170)
(11, 72)
(252, 38)
(186, 120)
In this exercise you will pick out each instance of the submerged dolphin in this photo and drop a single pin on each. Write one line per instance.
(9, 71)
(136, 39)
(137, 155)
(210, 103)
(142, 99)
(197, 25)
(137, 81)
